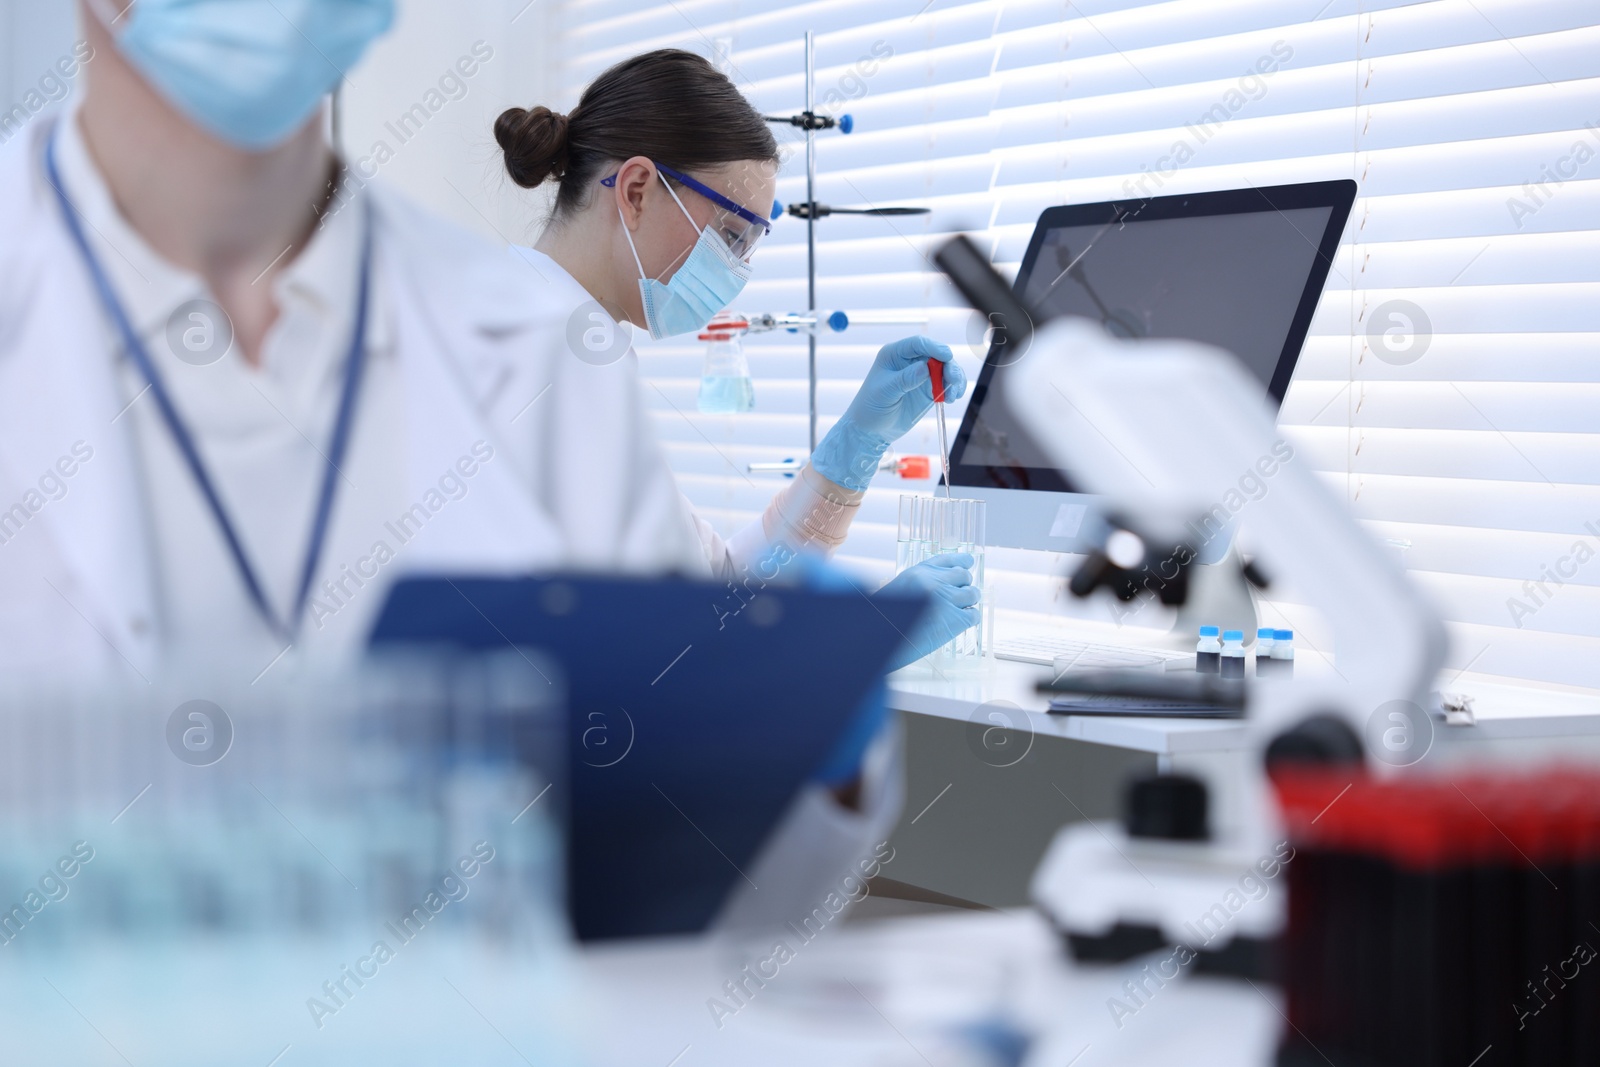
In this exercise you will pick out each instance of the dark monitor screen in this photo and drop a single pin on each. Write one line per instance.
(1241, 270)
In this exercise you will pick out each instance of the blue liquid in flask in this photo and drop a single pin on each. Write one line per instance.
(726, 395)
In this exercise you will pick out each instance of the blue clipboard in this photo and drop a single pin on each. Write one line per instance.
(713, 707)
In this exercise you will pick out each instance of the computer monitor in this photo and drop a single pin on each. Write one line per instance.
(1240, 269)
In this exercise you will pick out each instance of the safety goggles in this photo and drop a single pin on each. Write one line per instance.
(739, 227)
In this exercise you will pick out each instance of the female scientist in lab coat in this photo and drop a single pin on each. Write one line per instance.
(663, 175)
(231, 414)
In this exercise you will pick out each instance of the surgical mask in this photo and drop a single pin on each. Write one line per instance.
(250, 72)
(709, 280)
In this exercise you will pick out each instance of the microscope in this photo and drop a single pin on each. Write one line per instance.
(1159, 431)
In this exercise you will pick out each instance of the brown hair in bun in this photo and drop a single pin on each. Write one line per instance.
(669, 105)
(534, 143)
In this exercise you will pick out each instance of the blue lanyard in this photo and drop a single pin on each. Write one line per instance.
(354, 363)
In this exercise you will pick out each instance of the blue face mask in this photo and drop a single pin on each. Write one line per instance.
(711, 278)
(250, 72)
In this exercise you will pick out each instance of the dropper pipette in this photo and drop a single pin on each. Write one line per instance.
(936, 374)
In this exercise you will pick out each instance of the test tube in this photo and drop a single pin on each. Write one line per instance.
(936, 377)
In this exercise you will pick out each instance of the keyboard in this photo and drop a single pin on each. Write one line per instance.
(1046, 649)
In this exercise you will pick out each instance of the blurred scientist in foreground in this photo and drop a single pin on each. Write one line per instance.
(230, 417)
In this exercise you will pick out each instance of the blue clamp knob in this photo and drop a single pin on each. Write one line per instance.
(846, 123)
(838, 321)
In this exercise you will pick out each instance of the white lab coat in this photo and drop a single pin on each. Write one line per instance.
(808, 514)
(578, 480)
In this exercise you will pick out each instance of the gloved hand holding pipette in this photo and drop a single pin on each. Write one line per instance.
(895, 395)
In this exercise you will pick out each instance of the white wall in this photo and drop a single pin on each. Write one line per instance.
(34, 36)
(451, 164)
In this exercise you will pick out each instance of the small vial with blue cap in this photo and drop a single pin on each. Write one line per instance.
(1208, 651)
(1232, 661)
(1264, 650)
(1283, 652)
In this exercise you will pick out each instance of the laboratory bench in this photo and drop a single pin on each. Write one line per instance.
(992, 776)
(952, 989)
(1007, 689)
(978, 987)
(981, 985)
(1505, 709)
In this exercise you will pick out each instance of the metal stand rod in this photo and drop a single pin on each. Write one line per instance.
(811, 233)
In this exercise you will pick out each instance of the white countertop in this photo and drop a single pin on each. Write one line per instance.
(908, 992)
(1507, 708)
(1001, 693)
(998, 692)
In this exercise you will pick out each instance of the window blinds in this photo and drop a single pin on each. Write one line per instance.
(1450, 387)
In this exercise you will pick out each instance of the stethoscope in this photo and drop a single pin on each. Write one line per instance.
(355, 360)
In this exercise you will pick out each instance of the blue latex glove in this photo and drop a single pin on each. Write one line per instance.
(896, 394)
(947, 580)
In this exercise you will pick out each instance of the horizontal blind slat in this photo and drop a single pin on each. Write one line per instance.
(1471, 126)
